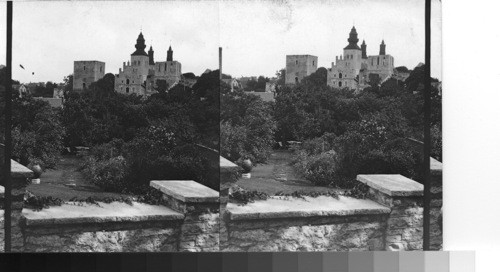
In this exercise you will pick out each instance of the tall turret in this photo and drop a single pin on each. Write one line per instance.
(353, 40)
(140, 46)
(382, 48)
(151, 56)
(170, 54)
(363, 50)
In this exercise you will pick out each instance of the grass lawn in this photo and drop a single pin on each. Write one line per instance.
(66, 182)
(278, 176)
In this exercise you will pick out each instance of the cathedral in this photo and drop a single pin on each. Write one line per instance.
(354, 69)
(142, 75)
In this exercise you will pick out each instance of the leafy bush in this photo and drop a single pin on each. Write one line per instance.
(157, 152)
(374, 145)
(320, 169)
(108, 174)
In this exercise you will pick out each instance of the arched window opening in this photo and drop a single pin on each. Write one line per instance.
(340, 75)
(128, 81)
(340, 83)
(127, 90)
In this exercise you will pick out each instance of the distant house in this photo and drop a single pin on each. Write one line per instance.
(57, 99)
(233, 83)
(244, 80)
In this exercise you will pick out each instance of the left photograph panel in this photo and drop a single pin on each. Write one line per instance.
(114, 127)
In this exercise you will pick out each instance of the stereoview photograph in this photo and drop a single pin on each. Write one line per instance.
(115, 126)
(322, 113)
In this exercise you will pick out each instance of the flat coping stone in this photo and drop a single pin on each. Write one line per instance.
(436, 167)
(20, 171)
(187, 191)
(321, 206)
(76, 213)
(226, 165)
(393, 185)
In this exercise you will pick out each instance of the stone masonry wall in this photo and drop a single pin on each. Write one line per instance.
(390, 219)
(104, 237)
(405, 223)
(200, 206)
(189, 222)
(436, 218)
(405, 199)
(357, 233)
(2, 233)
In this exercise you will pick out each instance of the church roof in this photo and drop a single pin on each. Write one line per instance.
(140, 46)
(353, 40)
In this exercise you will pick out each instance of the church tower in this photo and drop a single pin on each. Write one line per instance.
(140, 59)
(363, 50)
(170, 54)
(382, 48)
(352, 52)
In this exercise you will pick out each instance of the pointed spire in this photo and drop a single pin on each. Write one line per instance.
(382, 48)
(151, 55)
(353, 40)
(140, 46)
(363, 50)
(170, 54)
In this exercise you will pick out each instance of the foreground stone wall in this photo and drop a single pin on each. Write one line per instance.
(200, 205)
(436, 220)
(359, 233)
(189, 222)
(309, 224)
(390, 219)
(405, 199)
(112, 227)
(20, 176)
(2, 232)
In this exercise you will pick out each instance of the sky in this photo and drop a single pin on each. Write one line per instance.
(49, 36)
(255, 36)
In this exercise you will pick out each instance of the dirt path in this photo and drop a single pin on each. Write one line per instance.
(278, 176)
(66, 182)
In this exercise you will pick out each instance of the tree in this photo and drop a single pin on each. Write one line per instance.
(317, 78)
(247, 127)
(68, 84)
(37, 133)
(104, 86)
(161, 86)
(281, 77)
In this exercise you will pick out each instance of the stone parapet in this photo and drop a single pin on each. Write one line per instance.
(200, 206)
(436, 219)
(20, 177)
(101, 227)
(229, 175)
(310, 224)
(404, 197)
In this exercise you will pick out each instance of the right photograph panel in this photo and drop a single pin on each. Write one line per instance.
(322, 125)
